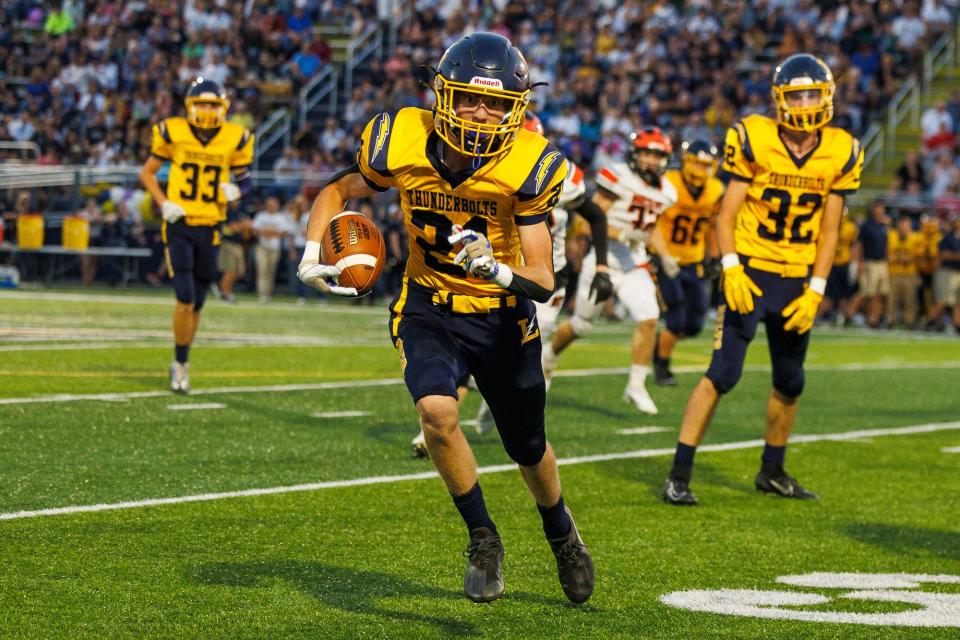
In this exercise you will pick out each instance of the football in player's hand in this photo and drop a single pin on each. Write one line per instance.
(354, 244)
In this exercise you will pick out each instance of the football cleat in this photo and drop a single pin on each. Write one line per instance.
(574, 564)
(662, 374)
(483, 581)
(677, 491)
(485, 421)
(782, 484)
(640, 398)
(180, 377)
(419, 446)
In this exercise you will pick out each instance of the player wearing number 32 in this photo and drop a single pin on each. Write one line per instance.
(777, 230)
(476, 191)
(203, 150)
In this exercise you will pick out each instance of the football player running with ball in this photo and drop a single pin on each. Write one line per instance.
(203, 150)
(777, 230)
(476, 190)
(633, 194)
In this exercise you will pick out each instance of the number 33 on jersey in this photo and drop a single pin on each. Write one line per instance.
(780, 219)
(197, 168)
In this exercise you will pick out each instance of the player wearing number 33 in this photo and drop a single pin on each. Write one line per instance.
(777, 230)
(203, 150)
(476, 190)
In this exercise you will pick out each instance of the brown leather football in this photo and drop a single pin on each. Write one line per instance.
(354, 244)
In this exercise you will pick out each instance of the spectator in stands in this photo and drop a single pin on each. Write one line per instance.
(271, 226)
(938, 129)
(911, 171)
(949, 272)
(903, 251)
(232, 260)
(304, 65)
(874, 271)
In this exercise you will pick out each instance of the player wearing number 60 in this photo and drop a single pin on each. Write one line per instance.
(777, 230)
(203, 150)
(476, 191)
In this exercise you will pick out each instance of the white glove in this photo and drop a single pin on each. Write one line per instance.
(634, 236)
(171, 211)
(230, 191)
(322, 277)
(670, 266)
(476, 255)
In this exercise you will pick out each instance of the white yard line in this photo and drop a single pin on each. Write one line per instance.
(243, 305)
(196, 406)
(346, 384)
(500, 468)
(642, 431)
(950, 450)
(340, 414)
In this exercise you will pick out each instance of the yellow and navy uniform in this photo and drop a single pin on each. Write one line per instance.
(929, 252)
(780, 219)
(904, 252)
(198, 168)
(684, 225)
(519, 188)
(845, 239)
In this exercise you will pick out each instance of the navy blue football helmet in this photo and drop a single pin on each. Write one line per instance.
(206, 92)
(698, 161)
(802, 91)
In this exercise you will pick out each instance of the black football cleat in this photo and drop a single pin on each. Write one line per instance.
(677, 491)
(483, 581)
(662, 374)
(574, 564)
(782, 484)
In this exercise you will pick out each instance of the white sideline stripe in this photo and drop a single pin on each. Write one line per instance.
(950, 450)
(346, 384)
(198, 405)
(50, 296)
(339, 414)
(500, 468)
(642, 431)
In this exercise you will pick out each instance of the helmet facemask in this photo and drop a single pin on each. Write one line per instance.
(648, 169)
(816, 99)
(207, 118)
(481, 140)
(697, 168)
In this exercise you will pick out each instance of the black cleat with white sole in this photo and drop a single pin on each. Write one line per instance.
(677, 491)
(574, 564)
(782, 484)
(483, 581)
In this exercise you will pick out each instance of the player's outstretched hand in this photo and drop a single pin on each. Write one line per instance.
(802, 311)
(172, 212)
(739, 289)
(323, 277)
(671, 268)
(476, 254)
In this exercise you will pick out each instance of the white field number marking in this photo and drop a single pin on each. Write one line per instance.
(642, 431)
(951, 450)
(930, 609)
(340, 414)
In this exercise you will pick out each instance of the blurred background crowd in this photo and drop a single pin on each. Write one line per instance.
(82, 82)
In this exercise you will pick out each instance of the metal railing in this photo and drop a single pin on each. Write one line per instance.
(274, 129)
(940, 55)
(369, 42)
(323, 85)
(873, 142)
(905, 102)
(23, 147)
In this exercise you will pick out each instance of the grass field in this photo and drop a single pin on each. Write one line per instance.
(258, 517)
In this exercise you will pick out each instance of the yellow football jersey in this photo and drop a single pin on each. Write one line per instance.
(685, 225)
(845, 239)
(519, 188)
(197, 169)
(927, 262)
(903, 253)
(780, 219)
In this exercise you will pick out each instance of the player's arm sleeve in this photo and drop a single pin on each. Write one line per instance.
(594, 215)
(161, 144)
(738, 158)
(541, 190)
(848, 180)
(373, 153)
(243, 155)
